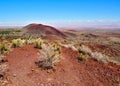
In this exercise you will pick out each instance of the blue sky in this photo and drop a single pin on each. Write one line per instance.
(27, 11)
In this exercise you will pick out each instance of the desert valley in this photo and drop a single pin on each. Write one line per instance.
(42, 55)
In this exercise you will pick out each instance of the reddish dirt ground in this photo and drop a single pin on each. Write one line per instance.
(69, 72)
(51, 37)
(104, 49)
(21, 61)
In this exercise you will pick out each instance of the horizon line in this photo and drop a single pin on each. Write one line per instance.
(66, 23)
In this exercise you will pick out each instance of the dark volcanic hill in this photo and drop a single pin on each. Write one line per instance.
(40, 29)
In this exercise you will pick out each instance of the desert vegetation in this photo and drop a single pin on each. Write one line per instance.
(4, 47)
(51, 56)
(50, 51)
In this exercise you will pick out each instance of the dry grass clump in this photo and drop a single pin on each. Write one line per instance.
(29, 41)
(70, 46)
(85, 49)
(99, 57)
(85, 52)
(49, 56)
(56, 48)
(38, 43)
(17, 43)
(4, 47)
(82, 56)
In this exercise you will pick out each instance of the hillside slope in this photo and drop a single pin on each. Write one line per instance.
(41, 30)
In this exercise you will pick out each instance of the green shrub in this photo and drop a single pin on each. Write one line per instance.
(5, 32)
(38, 43)
(26, 41)
(4, 47)
(82, 56)
(17, 43)
(57, 48)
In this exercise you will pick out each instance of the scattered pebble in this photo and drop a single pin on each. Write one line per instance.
(32, 69)
(14, 75)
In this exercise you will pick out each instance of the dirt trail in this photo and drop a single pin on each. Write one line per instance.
(69, 72)
(21, 61)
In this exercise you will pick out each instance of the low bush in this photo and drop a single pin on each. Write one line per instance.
(4, 47)
(56, 47)
(17, 43)
(82, 56)
(48, 57)
(38, 43)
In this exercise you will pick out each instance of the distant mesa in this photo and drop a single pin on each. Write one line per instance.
(40, 29)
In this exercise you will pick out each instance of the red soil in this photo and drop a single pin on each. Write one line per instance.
(21, 61)
(69, 72)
